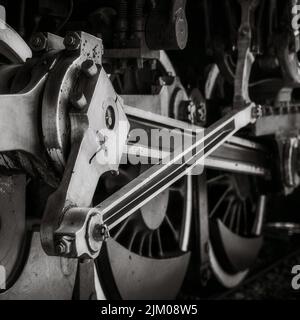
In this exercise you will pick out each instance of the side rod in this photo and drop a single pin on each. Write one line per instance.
(159, 177)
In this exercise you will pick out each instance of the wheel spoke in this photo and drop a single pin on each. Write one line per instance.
(144, 235)
(159, 243)
(227, 212)
(172, 228)
(216, 179)
(150, 245)
(121, 229)
(233, 215)
(220, 201)
(238, 220)
(133, 236)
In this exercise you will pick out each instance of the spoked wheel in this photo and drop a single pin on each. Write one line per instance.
(147, 256)
(234, 213)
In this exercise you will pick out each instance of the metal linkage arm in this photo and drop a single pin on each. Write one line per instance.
(134, 195)
(19, 125)
(98, 135)
(235, 155)
(159, 177)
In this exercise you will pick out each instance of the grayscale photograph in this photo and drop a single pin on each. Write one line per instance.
(150, 151)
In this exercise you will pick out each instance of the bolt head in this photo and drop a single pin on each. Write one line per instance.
(38, 42)
(72, 41)
(257, 112)
(61, 248)
(100, 232)
(64, 245)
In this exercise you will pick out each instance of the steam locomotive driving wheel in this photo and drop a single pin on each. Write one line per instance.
(79, 222)
(147, 256)
(234, 209)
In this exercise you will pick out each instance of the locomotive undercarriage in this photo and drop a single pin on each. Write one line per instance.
(78, 219)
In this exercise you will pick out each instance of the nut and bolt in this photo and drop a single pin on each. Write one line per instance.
(72, 41)
(64, 245)
(38, 42)
(100, 232)
(257, 112)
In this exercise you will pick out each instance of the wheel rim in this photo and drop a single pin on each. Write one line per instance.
(145, 242)
(232, 215)
(225, 189)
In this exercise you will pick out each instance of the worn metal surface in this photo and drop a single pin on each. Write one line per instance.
(65, 112)
(43, 277)
(12, 46)
(12, 224)
(89, 157)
